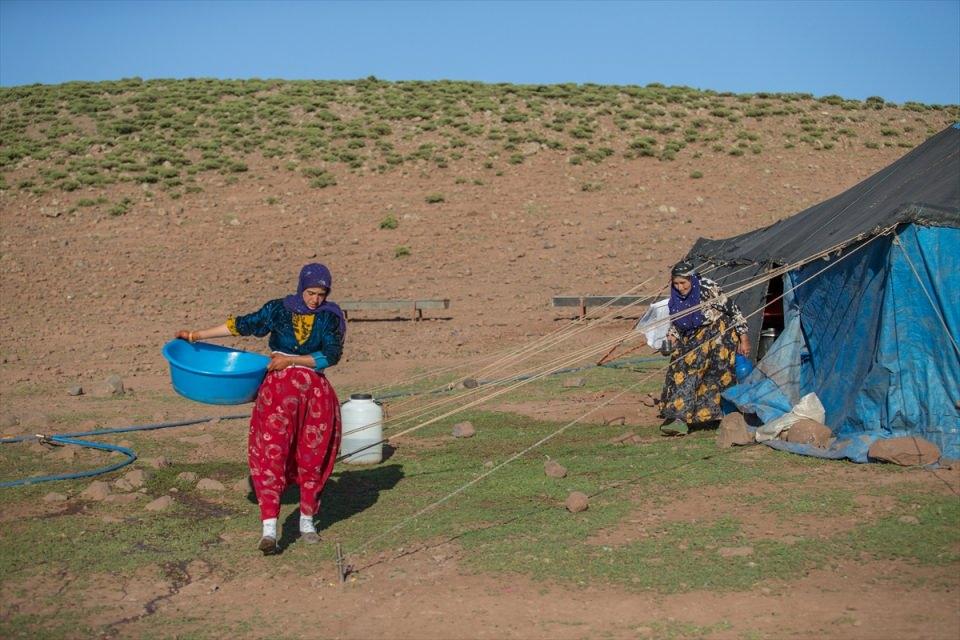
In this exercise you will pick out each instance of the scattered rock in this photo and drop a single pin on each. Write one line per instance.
(137, 478)
(75, 390)
(488, 464)
(463, 430)
(806, 431)
(121, 484)
(908, 452)
(8, 420)
(160, 462)
(733, 431)
(187, 476)
(122, 498)
(908, 520)
(54, 497)
(209, 484)
(572, 383)
(577, 502)
(470, 383)
(159, 504)
(97, 490)
(554, 469)
(735, 552)
(112, 386)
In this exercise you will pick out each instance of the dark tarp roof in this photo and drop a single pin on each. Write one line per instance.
(922, 187)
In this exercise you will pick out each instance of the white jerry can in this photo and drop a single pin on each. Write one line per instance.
(362, 421)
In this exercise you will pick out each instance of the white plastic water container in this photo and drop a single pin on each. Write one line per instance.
(362, 430)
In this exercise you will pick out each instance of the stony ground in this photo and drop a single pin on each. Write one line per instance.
(86, 294)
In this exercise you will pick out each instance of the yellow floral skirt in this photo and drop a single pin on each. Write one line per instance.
(702, 365)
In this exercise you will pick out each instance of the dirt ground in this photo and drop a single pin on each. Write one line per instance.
(87, 295)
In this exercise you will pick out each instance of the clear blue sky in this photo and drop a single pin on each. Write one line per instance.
(897, 50)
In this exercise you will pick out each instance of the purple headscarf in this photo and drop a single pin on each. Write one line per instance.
(680, 303)
(315, 275)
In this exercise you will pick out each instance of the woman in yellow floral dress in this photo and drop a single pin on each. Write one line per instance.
(705, 335)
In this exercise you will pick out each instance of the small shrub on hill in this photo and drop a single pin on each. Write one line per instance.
(323, 181)
(433, 198)
(390, 222)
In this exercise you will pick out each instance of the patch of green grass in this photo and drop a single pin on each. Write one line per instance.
(389, 222)
(931, 540)
(434, 198)
(401, 252)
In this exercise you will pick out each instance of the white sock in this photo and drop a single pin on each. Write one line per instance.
(306, 524)
(270, 528)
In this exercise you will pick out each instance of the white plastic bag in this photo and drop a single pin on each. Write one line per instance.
(809, 406)
(655, 323)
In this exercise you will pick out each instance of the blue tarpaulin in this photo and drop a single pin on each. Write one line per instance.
(875, 336)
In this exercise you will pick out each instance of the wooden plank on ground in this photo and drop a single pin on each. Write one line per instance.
(415, 306)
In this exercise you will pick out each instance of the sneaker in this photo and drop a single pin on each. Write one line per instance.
(268, 545)
(676, 428)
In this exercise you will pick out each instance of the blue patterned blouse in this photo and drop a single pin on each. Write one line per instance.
(314, 334)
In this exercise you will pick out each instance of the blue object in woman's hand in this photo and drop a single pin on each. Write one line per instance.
(743, 367)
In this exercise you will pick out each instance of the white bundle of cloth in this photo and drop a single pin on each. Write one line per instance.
(809, 406)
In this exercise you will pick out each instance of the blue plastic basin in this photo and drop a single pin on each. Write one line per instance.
(214, 374)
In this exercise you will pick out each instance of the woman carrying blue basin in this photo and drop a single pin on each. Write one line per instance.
(705, 336)
(295, 427)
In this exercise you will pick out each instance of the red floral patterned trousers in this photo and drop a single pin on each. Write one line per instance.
(294, 438)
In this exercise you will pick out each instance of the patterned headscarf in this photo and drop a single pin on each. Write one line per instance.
(678, 303)
(315, 275)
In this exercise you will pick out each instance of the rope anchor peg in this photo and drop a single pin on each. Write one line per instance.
(343, 569)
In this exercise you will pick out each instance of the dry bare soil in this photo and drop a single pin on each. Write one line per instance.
(97, 275)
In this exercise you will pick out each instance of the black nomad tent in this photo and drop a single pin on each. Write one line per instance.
(867, 314)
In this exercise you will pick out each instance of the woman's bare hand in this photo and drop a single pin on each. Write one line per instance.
(183, 334)
(279, 362)
(744, 347)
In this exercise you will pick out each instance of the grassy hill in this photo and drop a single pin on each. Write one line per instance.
(163, 133)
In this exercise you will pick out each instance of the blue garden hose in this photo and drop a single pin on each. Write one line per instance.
(71, 439)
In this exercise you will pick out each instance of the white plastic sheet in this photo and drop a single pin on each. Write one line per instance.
(655, 323)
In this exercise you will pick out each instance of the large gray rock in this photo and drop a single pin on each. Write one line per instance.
(733, 431)
(806, 431)
(908, 452)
